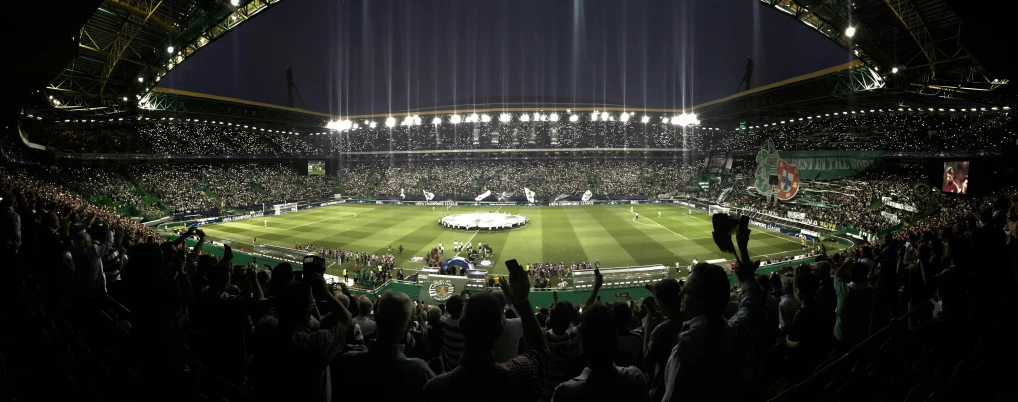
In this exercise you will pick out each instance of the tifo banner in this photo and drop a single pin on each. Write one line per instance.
(428, 196)
(483, 195)
(796, 215)
(829, 165)
(898, 205)
(530, 195)
(586, 196)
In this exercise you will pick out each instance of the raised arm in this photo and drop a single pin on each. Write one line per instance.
(598, 281)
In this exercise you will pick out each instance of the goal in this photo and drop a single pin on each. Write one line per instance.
(284, 208)
(717, 209)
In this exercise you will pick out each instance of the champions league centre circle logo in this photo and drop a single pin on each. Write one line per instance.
(441, 289)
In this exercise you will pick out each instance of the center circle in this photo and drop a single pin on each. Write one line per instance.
(484, 221)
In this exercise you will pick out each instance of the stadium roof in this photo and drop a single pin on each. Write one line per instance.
(126, 46)
(917, 44)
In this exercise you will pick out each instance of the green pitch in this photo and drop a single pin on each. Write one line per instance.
(608, 233)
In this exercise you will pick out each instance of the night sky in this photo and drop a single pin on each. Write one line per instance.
(375, 56)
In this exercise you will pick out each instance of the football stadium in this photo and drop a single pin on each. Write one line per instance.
(526, 200)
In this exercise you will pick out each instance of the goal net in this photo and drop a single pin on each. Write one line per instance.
(716, 209)
(284, 208)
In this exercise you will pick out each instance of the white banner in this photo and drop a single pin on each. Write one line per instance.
(428, 196)
(809, 233)
(503, 196)
(796, 215)
(402, 194)
(903, 207)
(889, 216)
(586, 196)
(483, 195)
(530, 195)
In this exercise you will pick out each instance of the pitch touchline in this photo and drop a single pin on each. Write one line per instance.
(762, 230)
(662, 227)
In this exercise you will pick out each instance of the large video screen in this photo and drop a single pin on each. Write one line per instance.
(956, 177)
(316, 168)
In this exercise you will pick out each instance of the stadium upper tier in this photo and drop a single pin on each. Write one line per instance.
(889, 131)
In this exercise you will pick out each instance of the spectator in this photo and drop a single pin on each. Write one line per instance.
(10, 226)
(296, 355)
(512, 331)
(452, 346)
(602, 379)
(519, 379)
(855, 301)
(363, 318)
(700, 365)
(788, 305)
(386, 356)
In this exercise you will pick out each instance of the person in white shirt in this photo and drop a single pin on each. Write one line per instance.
(512, 330)
(658, 214)
(637, 215)
(441, 248)
(266, 221)
(689, 211)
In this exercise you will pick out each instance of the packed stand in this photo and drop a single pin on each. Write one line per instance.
(551, 177)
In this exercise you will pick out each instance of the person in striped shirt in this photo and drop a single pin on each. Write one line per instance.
(452, 336)
(564, 340)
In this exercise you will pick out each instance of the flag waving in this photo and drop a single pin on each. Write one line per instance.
(587, 195)
(428, 196)
(530, 195)
(483, 196)
(402, 194)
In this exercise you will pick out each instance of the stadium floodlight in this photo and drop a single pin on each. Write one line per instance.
(505, 117)
(141, 79)
(169, 49)
(645, 119)
(390, 122)
(372, 125)
(544, 117)
(624, 117)
(894, 70)
(436, 121)
(593, 115)
(417, 120)
(782, 122)
(553, 117)
(942, 109)
(474, 118)
(800, 119)
(677, 120)
(605, 116)
(664, 120)
(408, 120)
(236, 3)
(525, 117)
(455, 119)
(992, 108)
(574, 118)
(1007, 108)
(850, 31)
(485, 118)
(537, 116)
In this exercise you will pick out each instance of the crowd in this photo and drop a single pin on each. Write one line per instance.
(204, 187)
(158, 190)
(289, 337)
(889, 131)
(551, 177)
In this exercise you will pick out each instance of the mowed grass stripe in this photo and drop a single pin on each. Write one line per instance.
(642, 248)
(561, 243)
(671, 245)
(526, 245)
(595, 240)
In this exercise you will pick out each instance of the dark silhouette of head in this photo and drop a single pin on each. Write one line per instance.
(482, 322)
(706, 292)
(598, 335)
